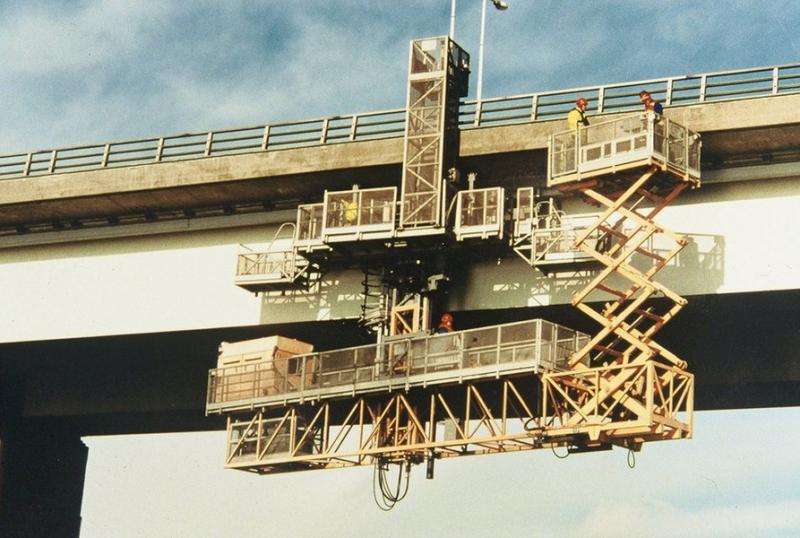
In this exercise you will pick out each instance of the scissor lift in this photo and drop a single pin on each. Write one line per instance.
(633, 389)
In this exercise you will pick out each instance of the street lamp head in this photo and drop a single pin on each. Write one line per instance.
(499, 4)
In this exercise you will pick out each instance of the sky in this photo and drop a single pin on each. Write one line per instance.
(738, 477)
(94, 71)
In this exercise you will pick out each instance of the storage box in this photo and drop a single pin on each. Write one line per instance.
(260, 349)
(259, 367)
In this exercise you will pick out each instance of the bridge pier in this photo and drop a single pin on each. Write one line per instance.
(41, 481)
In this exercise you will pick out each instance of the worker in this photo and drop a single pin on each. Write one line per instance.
(577, 116)
(350, 212)
(650, 104)
(445, 324)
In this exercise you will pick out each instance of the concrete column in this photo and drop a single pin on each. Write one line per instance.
(41, 481)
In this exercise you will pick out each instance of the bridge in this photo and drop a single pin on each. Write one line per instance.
(118, 260)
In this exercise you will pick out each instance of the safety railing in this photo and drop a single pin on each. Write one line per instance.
(398, 362)
(276, 265)
(544, 235)
(608, 145)
(672, 91)
(622, 97)
(279, 263)
(309, 226)
(359, 211)
(479, 213)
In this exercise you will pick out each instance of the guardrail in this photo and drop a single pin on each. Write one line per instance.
(672, 91)
(412, 360)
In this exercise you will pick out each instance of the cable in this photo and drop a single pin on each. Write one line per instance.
(631, 458)
(389, 496)
(527, 425)
(553, 448)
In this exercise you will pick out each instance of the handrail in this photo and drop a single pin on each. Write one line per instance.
(524, 108)
(398, 362)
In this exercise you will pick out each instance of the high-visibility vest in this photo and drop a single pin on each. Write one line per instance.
(577, 116)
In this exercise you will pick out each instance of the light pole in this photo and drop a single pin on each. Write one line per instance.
(452, 33)
(501, 6)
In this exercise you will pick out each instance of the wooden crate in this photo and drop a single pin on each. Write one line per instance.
(258, 367)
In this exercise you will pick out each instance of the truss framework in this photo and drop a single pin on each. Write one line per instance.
(431, 137)
(470, 419)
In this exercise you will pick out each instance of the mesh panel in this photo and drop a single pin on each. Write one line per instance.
(479, 207)
(480, 337)
(525, 204)
(365, 356)
(694, 152)
(676, 145)
(376, 207)
(564, 156)
(337, 360)
(518, 332)
(309, 222)
(341, 209)
(428, 55)
(425, 113)
(659, 137)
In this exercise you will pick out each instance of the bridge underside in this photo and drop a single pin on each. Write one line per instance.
(743, 349)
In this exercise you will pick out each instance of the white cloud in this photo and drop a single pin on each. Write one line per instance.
(96, 70)
(651, 517)
(41, 40)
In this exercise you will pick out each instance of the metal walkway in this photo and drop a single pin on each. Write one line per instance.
(416, 360)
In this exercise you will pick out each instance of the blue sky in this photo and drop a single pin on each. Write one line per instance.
(93, 71)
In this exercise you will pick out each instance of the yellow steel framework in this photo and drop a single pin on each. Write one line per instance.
(441, 421)
(619, 388)
(633, 389)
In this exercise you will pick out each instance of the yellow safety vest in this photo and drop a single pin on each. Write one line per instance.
(577, 117)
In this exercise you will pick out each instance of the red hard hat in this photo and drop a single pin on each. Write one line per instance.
(446, 318)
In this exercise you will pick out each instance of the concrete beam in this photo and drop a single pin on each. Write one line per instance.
(140, 383)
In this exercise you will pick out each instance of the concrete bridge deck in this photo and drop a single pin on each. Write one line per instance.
(742, 132)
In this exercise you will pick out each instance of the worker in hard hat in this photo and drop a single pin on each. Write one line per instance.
(650, 104)
(577, 116)
(445, 324)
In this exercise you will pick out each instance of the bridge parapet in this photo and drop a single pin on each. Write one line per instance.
(757, 125)
(532, 107)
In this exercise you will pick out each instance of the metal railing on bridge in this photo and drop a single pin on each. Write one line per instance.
(609, 98)
(409, 360)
